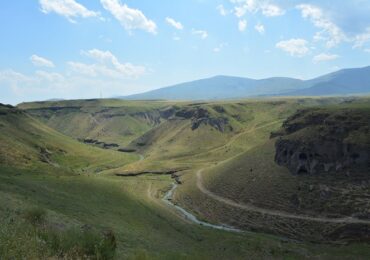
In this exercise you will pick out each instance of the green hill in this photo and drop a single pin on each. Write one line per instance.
(61, 197)
(239, 189)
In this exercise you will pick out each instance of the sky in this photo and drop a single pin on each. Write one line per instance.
(78, 49)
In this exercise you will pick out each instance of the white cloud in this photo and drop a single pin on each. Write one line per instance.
(324, 57)
(41, 62)
(362, 39)
(222, 10)
(295, 47)
(242, 25)
(260, 28)
(203, 34)
(130, 19)
(241, 7)
(330, 32)
(271, 10)
(106, 65)
(175, 24)
(220, 47)
(12, 76)
(49, 76)
(28, 85)
(67, 8)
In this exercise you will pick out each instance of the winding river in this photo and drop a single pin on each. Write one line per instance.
(187, 215)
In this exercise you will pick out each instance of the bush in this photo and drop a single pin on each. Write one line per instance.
(80, 243)
(19, 240)
(32, 237)
(35, 216)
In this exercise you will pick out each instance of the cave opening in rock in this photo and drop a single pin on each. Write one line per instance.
(302, 170)
(303, 156)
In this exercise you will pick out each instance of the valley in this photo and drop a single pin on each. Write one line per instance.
(185, 130)
(192, 180)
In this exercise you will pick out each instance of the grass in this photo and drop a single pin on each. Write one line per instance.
(249, 175)
(143, 227)
(33, 237)
(68, 187)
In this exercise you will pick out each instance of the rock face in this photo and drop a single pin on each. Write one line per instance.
(321, 156)
(200, 116)
(318, 141)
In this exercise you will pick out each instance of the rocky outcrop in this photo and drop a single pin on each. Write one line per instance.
(8, 109)
(171, 172)
(221, 124)
(153, 118)
(126, 150)
(100, 144)
(319, 141)
(200, 116)
(167, 112)
(321, 156)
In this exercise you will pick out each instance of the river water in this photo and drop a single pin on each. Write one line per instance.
(187, 215)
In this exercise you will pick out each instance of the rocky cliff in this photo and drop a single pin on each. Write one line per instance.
(325, 140)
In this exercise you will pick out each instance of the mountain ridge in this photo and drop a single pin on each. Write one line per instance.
(341, 82)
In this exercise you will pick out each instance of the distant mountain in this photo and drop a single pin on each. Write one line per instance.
(343, 82)
(54, 99)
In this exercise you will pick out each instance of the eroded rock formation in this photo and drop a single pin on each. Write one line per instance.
(317, 141)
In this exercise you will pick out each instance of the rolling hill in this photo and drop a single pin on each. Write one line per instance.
(342, 82)
(83, 187)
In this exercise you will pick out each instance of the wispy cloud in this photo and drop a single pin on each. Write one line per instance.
(260, 28)
(201, 33)
(222, 10)
(67, 8)
(242, 25)
(177, 25)
(220, 47)
(362, 39)
(330, 32)
(130, 19)
(107, 65)
(295, 47)
(324, 57)
(41, 62)
(241, 7)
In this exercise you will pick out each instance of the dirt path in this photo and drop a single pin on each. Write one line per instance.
(248, 207)
(277, 213)
(190, 217)
(235, 137)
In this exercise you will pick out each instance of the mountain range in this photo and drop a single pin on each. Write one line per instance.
(342, 82)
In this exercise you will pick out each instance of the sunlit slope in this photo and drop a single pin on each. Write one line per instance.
(132, 206)
(26, 142)
(35, 171)
(253, 178)
(109, 121)
(209, 132)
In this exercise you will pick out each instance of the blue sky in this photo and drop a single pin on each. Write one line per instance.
(78, 49)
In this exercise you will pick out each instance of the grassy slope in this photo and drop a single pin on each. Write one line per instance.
(131, 206)
(175, 144)
(253, 177)
(27, 143)
(110, 121)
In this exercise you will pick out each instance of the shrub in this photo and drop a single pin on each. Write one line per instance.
(35, 216)
(80, 243)
(31, 237)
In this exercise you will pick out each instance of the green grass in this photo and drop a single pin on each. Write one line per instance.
(68, 187)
